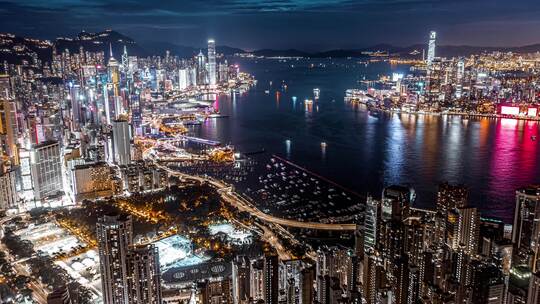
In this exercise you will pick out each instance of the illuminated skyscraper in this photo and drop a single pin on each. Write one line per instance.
(183, 78)
(115, 236)
(125, 60)
(526, 228)
(121, 142)
(468, 230)
(8, 190)
(396, 201)
(460, 73)
(201, 68)
(76, 98)
(114, 77)
(271, 273)
(9, 129)
(212, 62)
(46, 169)
(449, 197)
(240, 279)
(143, 275)
(5, 87)
(371, 222)
(431, 48)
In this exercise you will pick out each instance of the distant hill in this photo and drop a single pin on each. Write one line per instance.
(95, 42)
(413, 51)
(159, 48)
(15, 49)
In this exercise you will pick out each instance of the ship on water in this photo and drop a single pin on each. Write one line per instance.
(360, 96)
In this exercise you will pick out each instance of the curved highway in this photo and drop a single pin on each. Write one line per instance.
(242, 204)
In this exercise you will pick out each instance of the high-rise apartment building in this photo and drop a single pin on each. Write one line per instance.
(115, 236)
(46, 169)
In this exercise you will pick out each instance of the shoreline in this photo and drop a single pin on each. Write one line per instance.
(464, 115)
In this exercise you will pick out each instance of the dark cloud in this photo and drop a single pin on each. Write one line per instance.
(307, 24)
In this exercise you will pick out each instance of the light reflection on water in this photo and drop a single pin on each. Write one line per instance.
(366, 151)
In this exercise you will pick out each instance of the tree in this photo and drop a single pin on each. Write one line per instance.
(21, 281)
(26, 292)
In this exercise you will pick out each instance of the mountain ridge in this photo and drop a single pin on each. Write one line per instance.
(16, 48)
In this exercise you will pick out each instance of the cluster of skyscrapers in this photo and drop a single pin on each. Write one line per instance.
(77, 114)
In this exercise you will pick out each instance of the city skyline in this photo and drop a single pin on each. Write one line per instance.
(218, 175)
(306, 25)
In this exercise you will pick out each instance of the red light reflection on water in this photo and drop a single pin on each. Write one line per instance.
(514, 156)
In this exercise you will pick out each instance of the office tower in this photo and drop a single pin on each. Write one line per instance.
(396, 201)
(114, 235)
(183, 79)
(328, 290)
(91, 180)
(240, 279)
(413, 287)
(256, 274)
(215, 291)
(75, 97)
(125, 61)
(9, 129)
(526, 228)
(271, 276)
(415, 237)
(192, 76)
(400, 280)
(113, 71)
(201, 68)
(468, 230)
(371, 222)
(212, 62)
(133, 65)
(491, 235)
(335, 262)
(373, 277)
(144, 278)
(460, 73)
(201, 60)
(224, 72)
(46, 169)
(5, 87)
(307, 277)
(431, 48)
(121, 142)
(8, 190)
(487, 284)
(289, 280)
(449, 197)
(533, 294)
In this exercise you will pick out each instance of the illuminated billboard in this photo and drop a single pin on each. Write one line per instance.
(532, 112)
(509, 110)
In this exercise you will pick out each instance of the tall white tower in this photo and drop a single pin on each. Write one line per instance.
(431, 47)
(121, 142)
(212, 62)
(459, 77)
(125, 60)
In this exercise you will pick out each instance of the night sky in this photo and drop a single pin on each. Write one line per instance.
(308, 25)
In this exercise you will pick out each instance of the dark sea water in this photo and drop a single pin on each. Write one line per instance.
(367, 151)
